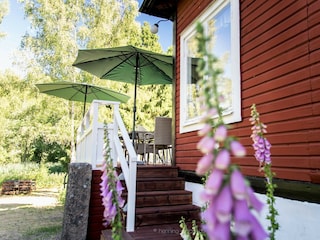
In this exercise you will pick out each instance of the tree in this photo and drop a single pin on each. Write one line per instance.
(4, 9)
(58, 28)
(26, 115)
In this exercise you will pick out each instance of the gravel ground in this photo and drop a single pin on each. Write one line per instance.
(36, 216)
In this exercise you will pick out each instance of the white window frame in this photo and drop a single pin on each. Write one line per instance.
(188, 125)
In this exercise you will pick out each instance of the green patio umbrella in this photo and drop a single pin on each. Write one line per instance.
(81, 92)
(127, 64)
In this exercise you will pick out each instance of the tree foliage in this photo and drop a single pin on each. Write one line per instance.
(37, 126)
(27, 115)
(4, 9)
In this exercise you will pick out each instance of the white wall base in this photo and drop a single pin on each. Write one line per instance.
(298, 220)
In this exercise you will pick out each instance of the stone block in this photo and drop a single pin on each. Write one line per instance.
(76, 211)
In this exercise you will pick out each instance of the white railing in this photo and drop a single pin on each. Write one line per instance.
(90, 141)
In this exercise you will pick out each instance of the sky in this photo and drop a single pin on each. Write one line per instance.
(16, 26)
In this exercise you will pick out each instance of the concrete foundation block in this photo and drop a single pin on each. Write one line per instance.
(76, 211)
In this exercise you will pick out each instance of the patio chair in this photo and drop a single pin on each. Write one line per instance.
(162, 139)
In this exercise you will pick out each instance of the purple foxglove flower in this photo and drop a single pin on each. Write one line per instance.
(112, 211)
(263, 126)
(267, 153)
(104, 177)
(205, 130)
(208, 114)
(104, 183)
(209, 230)
(211, 113)
(223, 204)
(104, 192)
(223, 159)
(221, 232)
(221, 133)
(262, 147)
(237, 149)
(108, 197)
(242, 218)
(209, 217)
(255, 146)
(242, 238)
(238, 185)
(257, 233)
(206, 144)
(121, 202)
(119, 187)
(253, 200)
(261, 143)
(204, 164)
(106, 202)
(214, 182)
(206, 196)
(267, 144)
(259, 156)
(104, 166)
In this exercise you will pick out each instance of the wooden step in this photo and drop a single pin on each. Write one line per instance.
(156, 171)
(166, 231)
(159, 215)
(162, 198)
(158, 184)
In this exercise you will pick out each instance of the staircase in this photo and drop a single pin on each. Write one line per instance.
(161, 201)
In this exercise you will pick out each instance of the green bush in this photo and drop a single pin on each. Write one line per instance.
(31, 171)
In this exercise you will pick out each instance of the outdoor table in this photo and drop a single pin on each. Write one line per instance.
(142, 139)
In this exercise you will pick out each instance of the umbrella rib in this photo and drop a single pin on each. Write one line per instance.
(126, 57)
(76, 89)
(155, 59)
(154, 65)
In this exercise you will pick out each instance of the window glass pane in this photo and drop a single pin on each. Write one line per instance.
(220, 28)
(193, 107)
(221, 23)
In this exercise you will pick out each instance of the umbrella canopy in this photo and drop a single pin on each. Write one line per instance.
(127, 64)
(81, 92)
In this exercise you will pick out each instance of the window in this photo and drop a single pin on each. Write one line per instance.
(221, 22)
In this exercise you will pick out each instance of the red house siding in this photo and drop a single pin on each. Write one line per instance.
(280, 73)
(96, 208)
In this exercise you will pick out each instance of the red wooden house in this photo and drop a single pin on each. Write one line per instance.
(271, 52)
(274, 62)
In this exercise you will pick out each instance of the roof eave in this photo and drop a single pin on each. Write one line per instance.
(159, 8)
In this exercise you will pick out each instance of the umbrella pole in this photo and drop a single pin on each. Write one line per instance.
(134, 101)
(134, 117)
(85, 99)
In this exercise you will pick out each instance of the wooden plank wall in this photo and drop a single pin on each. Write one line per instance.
(96, 208)
(280, 73)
